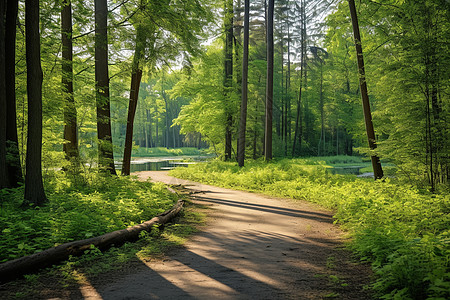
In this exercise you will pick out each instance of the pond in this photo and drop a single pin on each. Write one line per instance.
(346, 170)
(161, 163)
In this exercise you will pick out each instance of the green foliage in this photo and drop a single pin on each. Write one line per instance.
(401, 230)
(77, 209)
(405, 45)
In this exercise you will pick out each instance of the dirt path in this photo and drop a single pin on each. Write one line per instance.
(254, 247)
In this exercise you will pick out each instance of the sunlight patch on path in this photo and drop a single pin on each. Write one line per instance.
(86, 289)
(191, 281)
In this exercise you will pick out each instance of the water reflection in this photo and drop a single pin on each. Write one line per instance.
(348, 170)
(161, 163)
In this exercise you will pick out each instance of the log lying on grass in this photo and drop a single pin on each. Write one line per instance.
(27, 264)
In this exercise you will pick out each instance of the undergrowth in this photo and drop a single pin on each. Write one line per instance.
(64, 280)
(77, 209)
(402, 231)
(83, 207)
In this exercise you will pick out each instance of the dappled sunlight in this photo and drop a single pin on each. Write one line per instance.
(86, 288)
(190, 280)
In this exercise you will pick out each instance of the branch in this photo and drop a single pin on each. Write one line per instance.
(33, 262)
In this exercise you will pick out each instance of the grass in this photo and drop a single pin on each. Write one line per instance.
(402, 231)
(79, 209)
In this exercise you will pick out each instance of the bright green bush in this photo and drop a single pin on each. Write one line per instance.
(76, 210)
(404, 232)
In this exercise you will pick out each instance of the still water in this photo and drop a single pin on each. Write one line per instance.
(161, 163)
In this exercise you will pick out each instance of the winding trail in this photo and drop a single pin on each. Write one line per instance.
(253, 247)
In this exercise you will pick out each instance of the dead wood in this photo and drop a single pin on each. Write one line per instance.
(11, 269)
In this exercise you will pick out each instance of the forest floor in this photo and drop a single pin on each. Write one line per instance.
(252, 247)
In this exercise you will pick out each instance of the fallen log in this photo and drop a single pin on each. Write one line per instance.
(27, 264)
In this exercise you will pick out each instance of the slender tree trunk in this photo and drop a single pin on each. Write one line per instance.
(136, 75)
(4, 178)
(322, 126)
(269, 83)
(105, 144)
(12, 144)
(288, 88)
(166, 105)
(243, 119)
(34, 188)
(279, 112)
(156, 129)
(70, 148)
(286, 96)
(298, 119)
(149, 120)
(149, 130)
(377, 170)
(228, 79)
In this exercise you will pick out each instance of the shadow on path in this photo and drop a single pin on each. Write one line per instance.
(317, 216)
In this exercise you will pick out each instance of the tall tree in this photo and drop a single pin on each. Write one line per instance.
(243, 119)
(298, 119)
(228, 77)
(3, 170)
(376, 165)
(269, 83)
(12, 145)
(34, 188)
(105, 145)
(70, 147)
(136, 74)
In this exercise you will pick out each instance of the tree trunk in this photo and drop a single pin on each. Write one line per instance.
(136, 75)
(228, 79)
(278, 114)
(166, 105)
(105, 145)
(70, 148)
(322, 126)
(34, 188)
(288, 88)
(27, 264)
(156, 129)
(298, 119)
(269, 83)
(377, 170)
(243, 119)
(13, 157)
(149, 122)
(4, 178)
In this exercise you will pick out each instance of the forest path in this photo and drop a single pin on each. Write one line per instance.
(253, 247)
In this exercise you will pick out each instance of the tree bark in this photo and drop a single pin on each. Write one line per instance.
(105, 145)
(12, 144)
(243, 119)
(166, 118)
(4, 178)
(136, 75)
(149, 122)
(269, 83)
(27, 264)
(298, 120)
(377, 170)
(228, 78)
(70, 148)
(34, 188)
